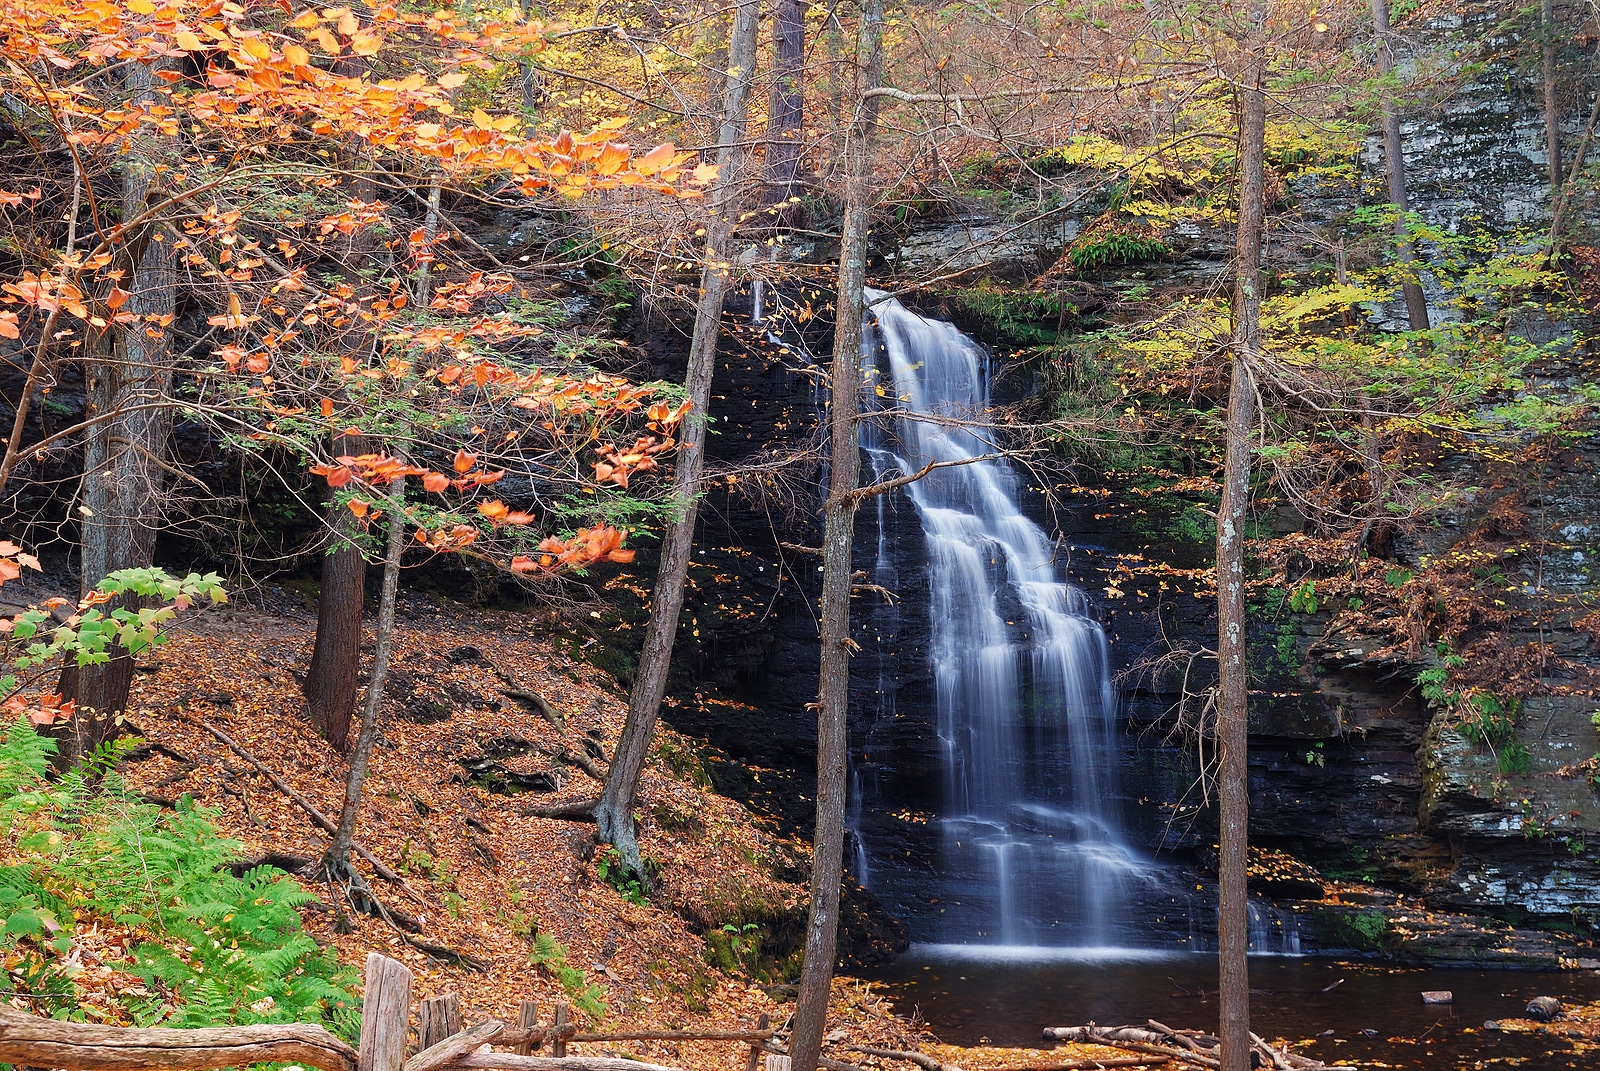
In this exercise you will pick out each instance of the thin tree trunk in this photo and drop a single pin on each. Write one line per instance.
(331, 678)
(123, 480)
(786, 110)
(532, 91)
(614, 812)
(333, 675)
(1552, 98)
(839, 511)
(336, 861)
(1564, 195)
(1232, 685)
(1394, 158)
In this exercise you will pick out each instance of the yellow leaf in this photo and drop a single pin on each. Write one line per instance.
(481, 120)
(348, 24)
(703, 173)
(505, 123)
(188, 41)
(326, 41)
(141, 7)
(256, 48)
(453, 80)
(296, 55)
(306, 20)
(366, 43)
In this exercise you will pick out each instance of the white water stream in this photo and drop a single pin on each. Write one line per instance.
(1033, 854)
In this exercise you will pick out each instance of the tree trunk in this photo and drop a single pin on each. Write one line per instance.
(614, 812)
(1548, 32)
(1395, 163)
(124, 482)
(786, 109)
(1232, 685)
(330, 685)
(839, 511)
(336, 861)
(332, 677)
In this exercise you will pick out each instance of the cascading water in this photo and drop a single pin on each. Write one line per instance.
(1031, 850)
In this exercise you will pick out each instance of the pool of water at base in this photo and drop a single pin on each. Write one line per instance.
(1354, 1011)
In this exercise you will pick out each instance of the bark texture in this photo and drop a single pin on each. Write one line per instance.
(822, 921)
(28, 1040)
(124, 474)
(1232, 686)
(333, 676)
(786, 109)
(337, 858)
(614, 812)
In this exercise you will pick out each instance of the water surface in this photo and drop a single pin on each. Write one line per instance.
(973, 995)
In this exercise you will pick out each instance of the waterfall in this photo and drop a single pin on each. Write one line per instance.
(1029, 826)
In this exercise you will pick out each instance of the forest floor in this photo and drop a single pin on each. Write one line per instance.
(524, 900)
(485, 879)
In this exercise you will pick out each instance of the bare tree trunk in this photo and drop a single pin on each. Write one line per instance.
(532, 91)
(1552, 98)
(786, 110)
(336, 861)
(614, 812)
(1394, 158)
(1564, 195)
(839, 512)
(1232, 685)
(123, 479)
(331, 678)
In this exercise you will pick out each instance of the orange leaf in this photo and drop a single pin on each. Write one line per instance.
(611, 159)
(465, 461)
(495, 511)
(327, 408)
(657, 159)
(359, 508)
(435, 482)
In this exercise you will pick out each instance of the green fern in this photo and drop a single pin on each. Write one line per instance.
(216, 950)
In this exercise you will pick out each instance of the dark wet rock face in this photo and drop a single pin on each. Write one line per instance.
(1350, 768)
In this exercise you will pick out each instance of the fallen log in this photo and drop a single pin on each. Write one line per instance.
(1091, 1064)
(505, 1061)
(27, 1040)
(1277, 1058)
(822, 1061)
(455, 1046)
(921, 1059)
(1131, 1039)
(581, 810)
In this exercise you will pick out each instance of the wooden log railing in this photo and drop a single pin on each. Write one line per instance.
(32, 1041)
(446, 1045)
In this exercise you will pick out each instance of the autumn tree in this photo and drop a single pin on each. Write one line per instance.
(219, 109)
